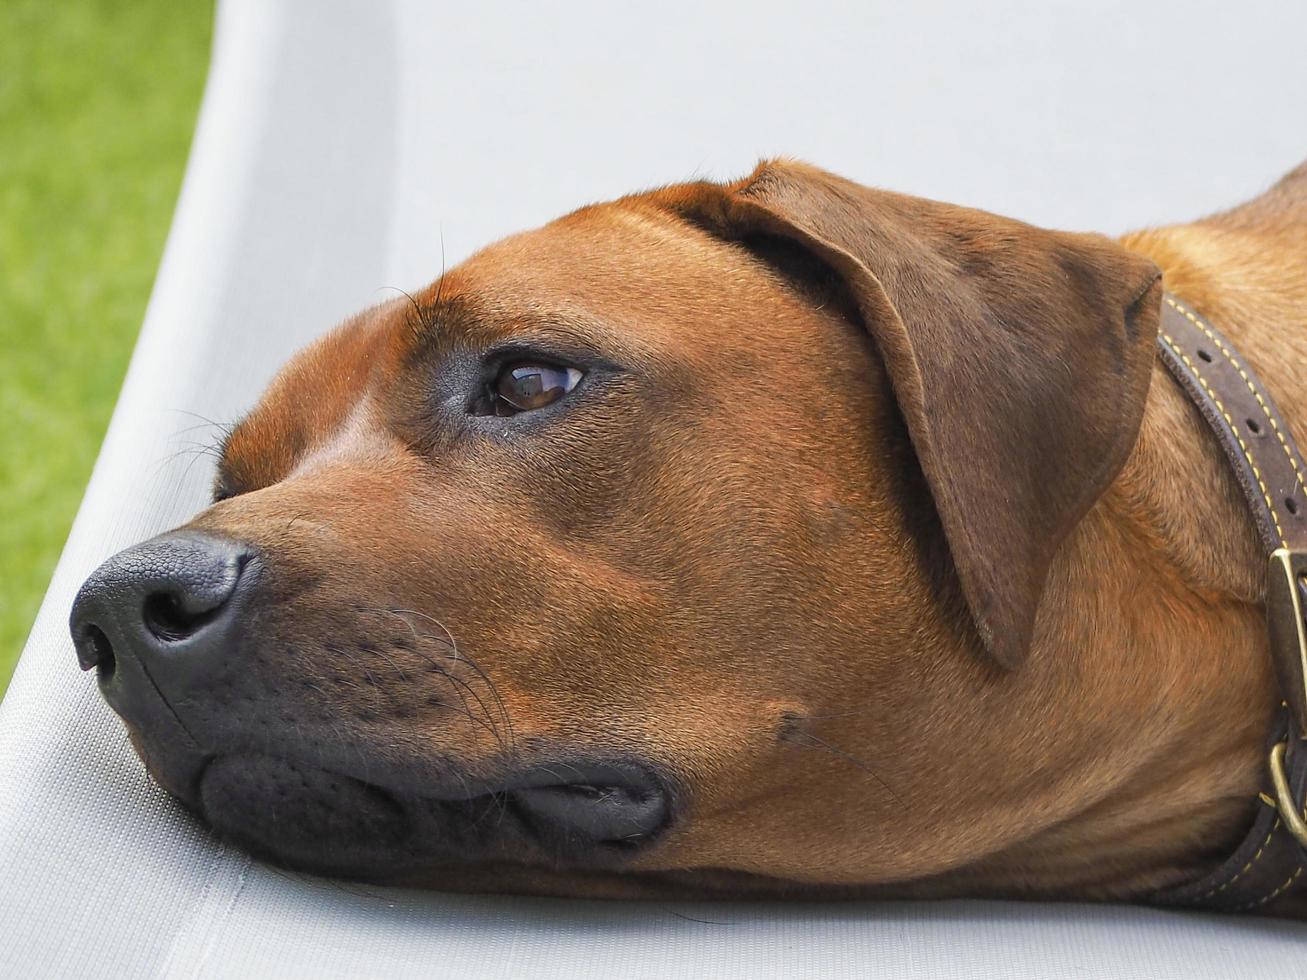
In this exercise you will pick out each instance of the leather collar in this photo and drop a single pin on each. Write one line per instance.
(1269, 864)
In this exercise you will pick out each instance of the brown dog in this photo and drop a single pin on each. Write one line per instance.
(782, 536)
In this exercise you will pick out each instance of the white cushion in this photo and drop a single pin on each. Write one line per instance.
(339, 142)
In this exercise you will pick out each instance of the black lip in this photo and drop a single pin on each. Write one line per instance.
(586, 772)
(563, 814)
(587, 805)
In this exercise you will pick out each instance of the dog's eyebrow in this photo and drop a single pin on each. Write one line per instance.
(422, 317)
(465, 321)
(433, 322)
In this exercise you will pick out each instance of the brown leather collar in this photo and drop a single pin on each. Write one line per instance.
(1270, 862)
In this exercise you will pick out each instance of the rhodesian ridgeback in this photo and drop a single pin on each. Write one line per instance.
(776, 537)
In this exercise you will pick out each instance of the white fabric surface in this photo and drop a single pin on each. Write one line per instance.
(338, 144)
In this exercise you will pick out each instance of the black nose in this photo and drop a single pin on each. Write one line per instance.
(167, 604)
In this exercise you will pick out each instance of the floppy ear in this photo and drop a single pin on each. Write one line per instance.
(1020, 359)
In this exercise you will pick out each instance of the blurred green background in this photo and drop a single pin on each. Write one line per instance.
(97, 103)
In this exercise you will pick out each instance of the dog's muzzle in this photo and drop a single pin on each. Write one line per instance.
(178, 632)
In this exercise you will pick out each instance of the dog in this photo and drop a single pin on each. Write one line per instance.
(779, 537)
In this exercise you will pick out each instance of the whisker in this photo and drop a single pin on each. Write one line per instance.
(460, 685)
(407, 678)
(423, 322)
(440, 281)
(456, 682)
(557, 775)
(849, 758)
(202, 425)
(706, 922)
(403, 674)
(839, 714)
(224, 427)
(463, 658)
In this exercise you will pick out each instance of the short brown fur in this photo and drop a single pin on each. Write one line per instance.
(776, 560)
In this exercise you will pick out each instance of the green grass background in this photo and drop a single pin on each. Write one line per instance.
(97, 104)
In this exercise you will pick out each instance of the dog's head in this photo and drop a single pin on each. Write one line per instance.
(697, 536)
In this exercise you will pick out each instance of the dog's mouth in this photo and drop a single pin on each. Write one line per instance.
(297, 771)
(565, 814)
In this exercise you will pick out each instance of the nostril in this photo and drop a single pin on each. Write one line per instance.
(96, 651)
(160, 613)
(168, 619)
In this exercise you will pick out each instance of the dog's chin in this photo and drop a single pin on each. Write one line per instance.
(305, 817)
(508, 840)
(581, 815)
(311, 820)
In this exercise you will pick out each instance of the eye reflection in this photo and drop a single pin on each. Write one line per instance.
(526, 387)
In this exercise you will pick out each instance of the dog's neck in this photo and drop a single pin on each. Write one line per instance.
(1165, 789)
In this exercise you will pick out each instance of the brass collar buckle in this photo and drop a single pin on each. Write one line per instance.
(1272, 857)
(1286, 600)
(1291, 813)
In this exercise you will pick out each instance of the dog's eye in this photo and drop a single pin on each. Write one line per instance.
(526, 387)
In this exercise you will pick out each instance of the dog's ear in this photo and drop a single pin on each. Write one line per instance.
(1020, 359)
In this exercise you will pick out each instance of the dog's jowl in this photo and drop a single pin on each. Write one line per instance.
(775, 537)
